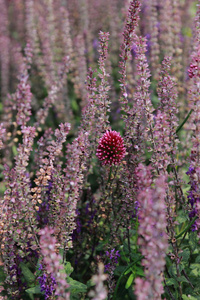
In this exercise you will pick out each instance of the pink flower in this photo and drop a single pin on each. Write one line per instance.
(111, 148)
(193, 69)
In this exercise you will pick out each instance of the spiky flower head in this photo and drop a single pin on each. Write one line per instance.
(111, 148)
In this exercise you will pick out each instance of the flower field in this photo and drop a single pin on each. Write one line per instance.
(100, 149)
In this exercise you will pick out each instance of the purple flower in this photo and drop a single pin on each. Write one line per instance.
(113, 256)
(193, 195)
(42, 213)
(95, 44)
(47, 285)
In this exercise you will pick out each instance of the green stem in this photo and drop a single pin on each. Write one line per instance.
(121, 276)
(187, 228)
(110, 173)
(181, 125)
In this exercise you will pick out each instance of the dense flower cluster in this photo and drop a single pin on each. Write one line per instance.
(111, 148)
(153, 239)
(113, 256)
(100, 292)
(73, 192)
(193, 195)
(47, 284)
(193, 69)
(51, 261)
(194, 91)
(2, 133)
(128, 33)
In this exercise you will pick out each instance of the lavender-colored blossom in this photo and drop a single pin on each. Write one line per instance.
(162, 145)
(193, 195)
(2, 135)
(194, 67)
(103, 89)
(23, 93)
(154, 26)
(43, 67)
(128, 33)
(113, 256)
(52, 265)
(194, 92)
(111, 263)
(99, 292)
(77, 230)
(42, 213)
(95, 44)
(152, 239)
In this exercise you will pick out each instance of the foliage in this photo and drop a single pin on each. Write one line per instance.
(99, 141)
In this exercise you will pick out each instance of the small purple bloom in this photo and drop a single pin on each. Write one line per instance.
(192, 195)
(47, 285)
(113, 256)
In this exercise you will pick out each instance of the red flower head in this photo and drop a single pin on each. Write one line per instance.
(111, 148)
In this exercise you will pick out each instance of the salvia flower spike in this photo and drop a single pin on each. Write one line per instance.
(111, 148)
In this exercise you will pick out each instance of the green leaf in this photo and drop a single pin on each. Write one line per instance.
(126, 248)
(61, 252)
(128, 271)
(90, 283)
(122, 275)
(186, 228)
(119, 270)
(31, 296)
(172, 271)
(193, 240)
(182, 218)
(195, 266)
(182, 279)
(185, 120)
(139, 271)
(29, 276)
(14, 150)
(171, 281)
(34, 290)
(74, 105)
(2, 275)
(130, 281)
(195, 270)
(68, 268)
(76, 286)
(197, 260)
(189, 297)
(185, 255)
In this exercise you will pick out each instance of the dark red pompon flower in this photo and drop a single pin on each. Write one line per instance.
(111, 148)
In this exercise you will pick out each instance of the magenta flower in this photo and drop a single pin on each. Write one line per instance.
(193, 69)
(111, 148)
